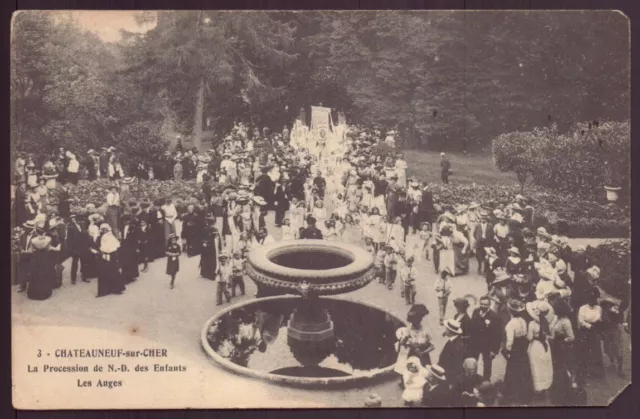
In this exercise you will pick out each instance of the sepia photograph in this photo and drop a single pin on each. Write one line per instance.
(319, 209)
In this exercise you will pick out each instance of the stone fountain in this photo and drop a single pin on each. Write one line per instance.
(294, 332)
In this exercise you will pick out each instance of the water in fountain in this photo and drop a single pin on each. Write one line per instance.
(306, 337)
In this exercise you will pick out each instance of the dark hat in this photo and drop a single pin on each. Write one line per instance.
(144, 205)
(515, 306)
(417, 310)
(461, 303)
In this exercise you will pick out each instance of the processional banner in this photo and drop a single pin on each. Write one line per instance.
(321, 123)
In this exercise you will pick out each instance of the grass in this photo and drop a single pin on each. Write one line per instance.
(466, 168)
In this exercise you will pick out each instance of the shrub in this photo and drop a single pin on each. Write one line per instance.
(512, 152)
(614, 261)
(584, 160)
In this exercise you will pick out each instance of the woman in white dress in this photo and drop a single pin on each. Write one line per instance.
(539, 350)
(447, 254)
(401, 170)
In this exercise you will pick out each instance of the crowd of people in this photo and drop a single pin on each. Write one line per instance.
(542, 310)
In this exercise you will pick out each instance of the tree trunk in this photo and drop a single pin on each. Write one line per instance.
(197, 123)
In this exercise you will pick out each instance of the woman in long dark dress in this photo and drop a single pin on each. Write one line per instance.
(209, 254)
(129, 250)
(518, 383)
(562, 353)
(110, 280)
(173, 261)
(462, 305)
(42, 268)
(589, 330)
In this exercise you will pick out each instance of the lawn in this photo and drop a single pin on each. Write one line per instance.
(467, 168)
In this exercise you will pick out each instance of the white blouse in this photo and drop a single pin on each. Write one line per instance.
(587, 316)
(515, 328)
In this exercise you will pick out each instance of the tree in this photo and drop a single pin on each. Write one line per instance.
(513, 152)
(191, 56)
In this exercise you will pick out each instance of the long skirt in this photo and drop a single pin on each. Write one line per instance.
(378, 202)
(169, 229)
(590, 353)
(447, 260)
(612, 339)
(130, 265)
(110, 281)
(112, 216)
(518, 384)
(561, 387)
(541, 365)
(461, 261)
(42, 278)
(208, 263)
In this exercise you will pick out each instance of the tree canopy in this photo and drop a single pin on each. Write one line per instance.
(445, 80)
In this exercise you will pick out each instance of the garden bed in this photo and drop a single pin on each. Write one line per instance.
(564, 214)
(560, 213)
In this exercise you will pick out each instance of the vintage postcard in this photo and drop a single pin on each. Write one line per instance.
(294, 209)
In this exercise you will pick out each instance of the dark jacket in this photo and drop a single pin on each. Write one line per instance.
(77, 239)
(311, 233)
(485, 331)
(452, 358)
(488, 240)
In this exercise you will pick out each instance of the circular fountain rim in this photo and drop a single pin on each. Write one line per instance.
(361, 260)
(283, 379)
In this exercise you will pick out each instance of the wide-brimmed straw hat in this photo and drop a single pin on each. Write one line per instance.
(514, 250)
(453, 326)
(538, 308)
(437, 371)
(501, 276)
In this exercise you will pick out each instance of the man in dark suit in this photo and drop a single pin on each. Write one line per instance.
(425, 209)
(311, 232)
(320, 183)
(462, 391)
(445, 168)
(485, 334)
(76, 245)
(104, 162)
(452, 355)
(483, 235)
(281, 198)
(436, 391)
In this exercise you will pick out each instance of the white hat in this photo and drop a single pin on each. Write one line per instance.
(453, 326)
(442, 154)
(437, 371)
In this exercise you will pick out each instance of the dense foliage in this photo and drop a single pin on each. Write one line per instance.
(591, 155)
(566, 214)
(444, 80)
(614, 261)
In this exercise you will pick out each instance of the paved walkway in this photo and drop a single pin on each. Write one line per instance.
(151, 313)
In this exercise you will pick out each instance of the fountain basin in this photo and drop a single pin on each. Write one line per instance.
(326, 267)
(359, 349)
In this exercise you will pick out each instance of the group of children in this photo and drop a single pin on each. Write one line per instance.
(229, 273)
(392, 261)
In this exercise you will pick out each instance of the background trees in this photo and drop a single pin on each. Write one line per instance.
(445, 81)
